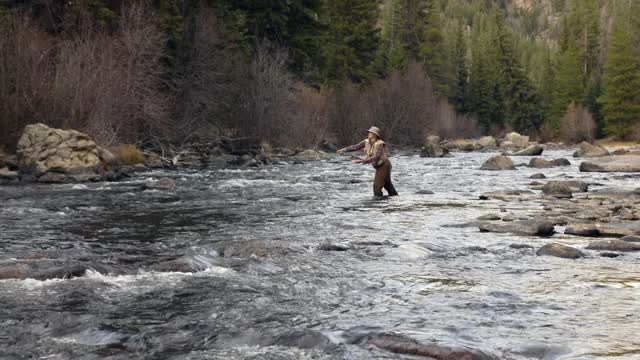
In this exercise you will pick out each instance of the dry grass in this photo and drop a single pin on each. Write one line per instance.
(128, 154)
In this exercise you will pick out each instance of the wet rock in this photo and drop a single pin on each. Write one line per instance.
(559, 250)
(537, 176)
(517, 140)
(631, 238)
(488, 217)
(509, 217)
(540, 163)
(162, 184)
(615, 163)
(505, 194)
(533, 150)
(401, 344)
(561, 162)
(557, 189)
(608, 254)
(588, 150)
(312, 155)
(63, 272)
(587, 230)
(614, 193)
(498, 163)
(334, 247)
(305, 339)
(522, 227)
(14, 271)
(434, 151)
(614, 245)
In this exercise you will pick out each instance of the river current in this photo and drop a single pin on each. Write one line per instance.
(243, 263)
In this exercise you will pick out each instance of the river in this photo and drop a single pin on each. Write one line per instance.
(260, 286)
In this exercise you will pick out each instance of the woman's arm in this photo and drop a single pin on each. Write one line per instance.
(356, 147)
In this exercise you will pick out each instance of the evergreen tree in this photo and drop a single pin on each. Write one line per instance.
(432, 52)
(621, 82)
(522, 104)
(351, 39)
(568, 86)
(460, 92)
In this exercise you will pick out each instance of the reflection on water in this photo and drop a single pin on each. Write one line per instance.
(228, 266)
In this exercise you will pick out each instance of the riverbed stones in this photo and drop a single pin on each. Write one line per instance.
(560, 250)
(532, 150)
(588, 150)
(537, 176)
(614, 163)
(614, 245)
(521, 227)
(488, 217)
(498, 162)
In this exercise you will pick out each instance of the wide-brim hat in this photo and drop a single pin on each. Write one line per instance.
(375, 130)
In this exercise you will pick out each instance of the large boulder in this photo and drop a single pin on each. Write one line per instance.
(517, 140)
(533, 150)
(56, 155)
(587, 230)
(614, 163)
(559, 250)
(588, 150)
(434, 151)
(540, 163)
(498, 162)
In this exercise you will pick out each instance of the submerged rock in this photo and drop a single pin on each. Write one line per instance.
(537, 176)
(498, 162)
(401, 344)
(559, 250)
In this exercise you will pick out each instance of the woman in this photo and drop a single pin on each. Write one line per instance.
(377, 155)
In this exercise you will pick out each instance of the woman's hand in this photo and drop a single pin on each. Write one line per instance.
(356, 161)
(340, 151)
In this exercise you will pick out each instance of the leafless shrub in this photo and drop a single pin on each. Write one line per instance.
(577, 125)
(267, 101)
(308, 124)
